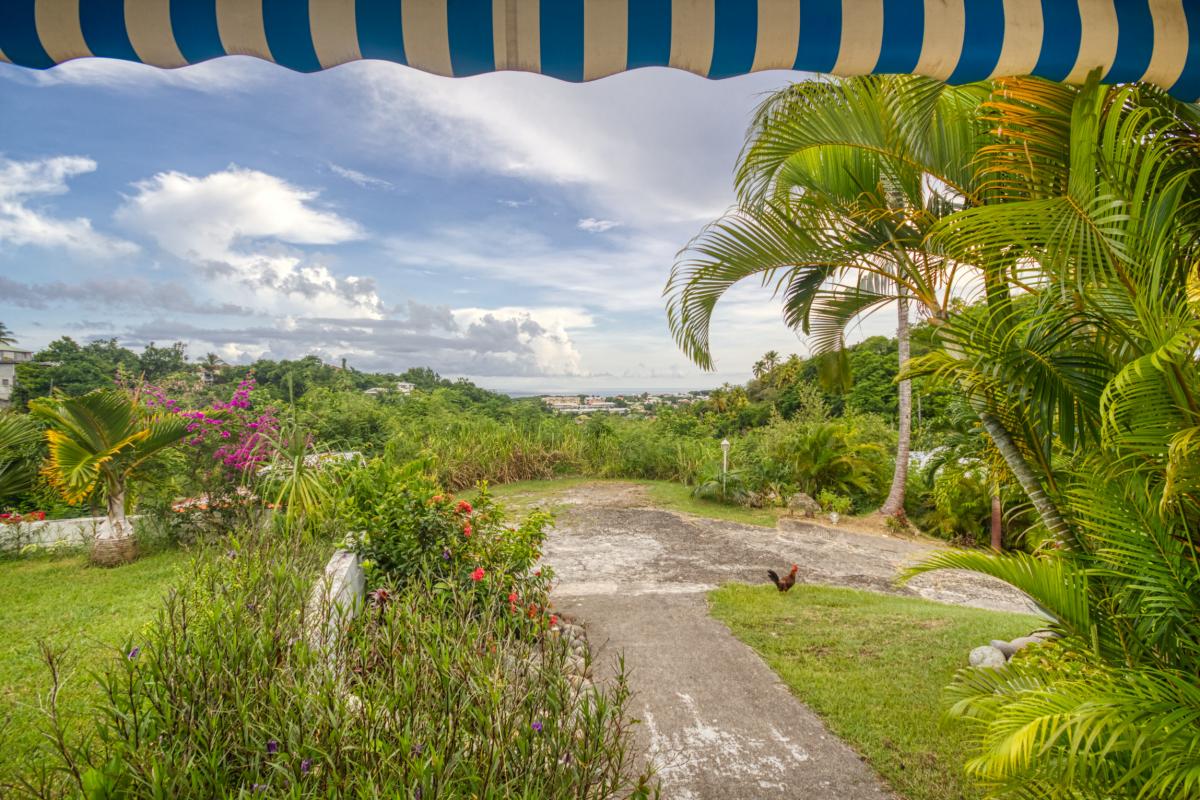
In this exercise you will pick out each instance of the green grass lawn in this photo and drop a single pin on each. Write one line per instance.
(873, 666)
(664, 494)
(66, 603)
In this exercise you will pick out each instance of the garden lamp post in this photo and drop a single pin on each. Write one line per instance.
(724, 464)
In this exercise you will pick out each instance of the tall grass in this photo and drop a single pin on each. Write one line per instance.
(467, 449)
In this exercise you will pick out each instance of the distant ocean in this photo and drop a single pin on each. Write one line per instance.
(605, 392)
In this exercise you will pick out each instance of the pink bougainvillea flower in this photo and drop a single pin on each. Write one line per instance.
(478, 574)
(464, 507)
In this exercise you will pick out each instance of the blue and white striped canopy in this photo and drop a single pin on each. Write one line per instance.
(578, 40)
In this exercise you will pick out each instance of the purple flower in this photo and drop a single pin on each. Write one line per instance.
(417, 749)
(537, 727)
(445, 555)
(259, 787)
(134, 653)
(272, 747)
(418, 793)
(305, 766)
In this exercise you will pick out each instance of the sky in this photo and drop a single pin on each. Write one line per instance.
(508, 228)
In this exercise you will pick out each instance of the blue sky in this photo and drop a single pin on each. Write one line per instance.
(510, 228)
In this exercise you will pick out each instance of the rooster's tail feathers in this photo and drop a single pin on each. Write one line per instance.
(774, 576)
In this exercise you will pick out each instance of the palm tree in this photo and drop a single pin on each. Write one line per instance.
(17, 431)
(1095, 370)
(6, 336)
(839, 184)
(98, 443)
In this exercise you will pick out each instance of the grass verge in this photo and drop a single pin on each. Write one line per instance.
(66, 603)
(873, 666)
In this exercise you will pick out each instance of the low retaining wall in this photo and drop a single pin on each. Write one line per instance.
(335, 599)
(78, 531)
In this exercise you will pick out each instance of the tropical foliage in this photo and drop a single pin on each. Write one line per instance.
(1072, 213)
(17, 434)
(97, 443)
(839, 186)
(441, 690)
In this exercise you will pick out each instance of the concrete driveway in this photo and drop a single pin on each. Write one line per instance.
(716, 720)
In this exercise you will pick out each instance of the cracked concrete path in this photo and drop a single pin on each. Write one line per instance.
(717, 721)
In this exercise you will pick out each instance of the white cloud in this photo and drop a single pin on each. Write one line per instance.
(361, 178)
(21, 182)
(593, 225)
(238, 224)
(544, 331)
(650, 147)
(619, 273)
(501, 342)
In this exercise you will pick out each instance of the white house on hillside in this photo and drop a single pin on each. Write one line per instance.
(8, 372)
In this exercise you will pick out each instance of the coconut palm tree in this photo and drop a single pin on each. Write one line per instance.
(6, 336)
(98, 444)
(839, 184)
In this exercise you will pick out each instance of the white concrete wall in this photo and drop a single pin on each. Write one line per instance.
(81, 530)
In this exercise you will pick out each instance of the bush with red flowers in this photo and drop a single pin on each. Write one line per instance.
(17, 519)
(405, 527)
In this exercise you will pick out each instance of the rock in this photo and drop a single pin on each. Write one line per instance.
(800, 503)
(1008, 648)
(1024, 641)
(987, 657)
(1044, 635)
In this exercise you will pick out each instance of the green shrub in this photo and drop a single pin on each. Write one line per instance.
(405, 526)
(428, 693)
(834, 502)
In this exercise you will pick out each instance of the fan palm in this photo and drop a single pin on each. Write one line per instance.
(98, 442)
(16, 472)
(839, 184)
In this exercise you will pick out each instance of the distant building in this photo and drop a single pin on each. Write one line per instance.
(8, 372)
(577, 404)
(402, 387)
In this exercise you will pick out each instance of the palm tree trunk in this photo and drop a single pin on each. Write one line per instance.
(997, 522)
(1024, 474)
(894, 505)
(114, 544)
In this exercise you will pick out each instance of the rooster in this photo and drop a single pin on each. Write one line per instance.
(784, 583)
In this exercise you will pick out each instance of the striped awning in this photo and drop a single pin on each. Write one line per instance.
(578, 40)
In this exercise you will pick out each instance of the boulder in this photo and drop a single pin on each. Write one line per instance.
(1022, 642)
(800, 503)
(1008, 648)
(987, 657)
